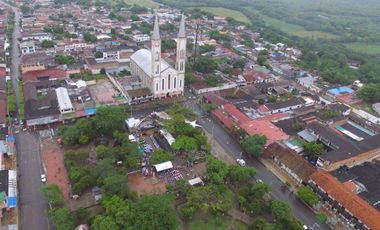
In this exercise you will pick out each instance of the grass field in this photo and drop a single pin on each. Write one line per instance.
(145, 3)
(223, 12)
(216, 223)
(364, 47)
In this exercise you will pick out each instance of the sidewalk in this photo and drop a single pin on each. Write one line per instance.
(279, 174)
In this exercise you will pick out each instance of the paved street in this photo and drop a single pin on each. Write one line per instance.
(33, 205)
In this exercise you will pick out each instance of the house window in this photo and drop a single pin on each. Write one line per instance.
(175, 82)
(169, 81)
(163, 84)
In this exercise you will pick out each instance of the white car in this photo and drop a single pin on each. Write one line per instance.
(305, 227)
(241, 162)
(43, 178)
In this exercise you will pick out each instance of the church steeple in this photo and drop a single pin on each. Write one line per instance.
(156, 49)
(181, 53)
(182, 29)
(156, 29)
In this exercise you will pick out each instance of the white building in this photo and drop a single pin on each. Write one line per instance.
(64, 102)
(27, 47)
(155, 73)
(141, 38)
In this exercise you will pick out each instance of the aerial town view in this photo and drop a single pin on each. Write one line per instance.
(188, 114)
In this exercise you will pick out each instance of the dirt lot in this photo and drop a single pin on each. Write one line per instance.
(103, 92)
(145, 185)
(54, 163)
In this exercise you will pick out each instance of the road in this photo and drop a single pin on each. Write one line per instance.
(32, 204)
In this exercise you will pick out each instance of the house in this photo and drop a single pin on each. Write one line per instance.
(141, 37)
(44, 75)
(346, 205)
(285, 106)
(290, 161)
(36, 61)
(264, 127)
(140, 95)
(27, 47)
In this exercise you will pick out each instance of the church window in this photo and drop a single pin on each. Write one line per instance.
(157, 69)
(175, 82)
(181, 66)
(182, 54)
(163, 84)
(157, 56)
(156, 86)
(180, 83)
(169, 81)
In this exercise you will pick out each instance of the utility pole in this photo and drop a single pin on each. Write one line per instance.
(196, 43)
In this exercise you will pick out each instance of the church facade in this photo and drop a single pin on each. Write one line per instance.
(160, 77)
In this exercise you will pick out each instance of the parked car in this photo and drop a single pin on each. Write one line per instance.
(241, 162)
(43, 178)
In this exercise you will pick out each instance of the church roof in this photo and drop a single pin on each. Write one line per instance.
(143, 58)
(182, 29)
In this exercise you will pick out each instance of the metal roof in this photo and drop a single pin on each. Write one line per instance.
(143, 58)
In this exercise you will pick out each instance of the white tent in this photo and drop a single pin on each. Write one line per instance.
(163, 166)
(195, 181)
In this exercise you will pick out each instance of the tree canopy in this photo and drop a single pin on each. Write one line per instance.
(254, 145)
(307, 195)
(313, 149)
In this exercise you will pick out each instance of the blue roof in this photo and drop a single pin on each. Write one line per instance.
(340, 90)
(12, 202)
(10, 138)
(90, 111)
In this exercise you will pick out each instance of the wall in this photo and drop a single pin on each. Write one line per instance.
(212, 89)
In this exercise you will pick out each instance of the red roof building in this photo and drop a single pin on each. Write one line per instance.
(356, 206)
(237, 116)
(253, 77)
(47, 74)
(225, 120)
(266, 128)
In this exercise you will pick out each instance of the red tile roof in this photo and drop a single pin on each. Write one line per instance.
(353, 203)
(3, 72)
(51, 73)
(266, 128)
(236, 115)
(251, 75)
(3, 109)
(226, 121)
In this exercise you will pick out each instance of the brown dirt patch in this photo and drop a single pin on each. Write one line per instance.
(55, 168)
(145, 185)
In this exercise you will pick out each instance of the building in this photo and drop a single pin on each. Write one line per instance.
(346, 205)
(266, 128)
(155, 73)
(64, 102)
(285, 106)
(141, 38)
(27, 47)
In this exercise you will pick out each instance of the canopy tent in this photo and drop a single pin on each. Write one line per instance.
(195, 181)
(163, 166)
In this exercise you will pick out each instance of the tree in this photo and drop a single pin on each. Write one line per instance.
(134, 17)
(62, 219)
(99, 54)
(254, 145)
(89, 37)
(297, 126)
(47, 44)
(281, 211)
(64, 59)
(53, 194)
(262, 60)
(180, 109)
(168, 44)
(260, 224)
(102, 71)
(205, 64)
(189, 78)
(211, 80)
(109, 119)
(239, 64)
(155, 212)
(206, 48)
(216, 170)
(313, 150)
(160, 155)
(308, 196)
(241, 174)
(116, 185)
(251, 197)
(370, 93)
(185, 143)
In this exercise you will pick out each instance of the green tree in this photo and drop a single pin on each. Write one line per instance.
(53, 195)
(254, 145)
(89, 37)
(47, 44)
(370, 93)
(64, 59)
(262, 60)
(239, 63)
(99, 54)
(241, 174)
(109, 119)
(308, 196)
(62, 219)
(116, 185)
(160, 155)
(216, 170)
(206, 48)
(185, 143)
(134, 17)
(211, 80)
(168, 44)
(155, 212)
(251, 197)
(205, 64)
(313, 149)
(260, 224)
(281, 211)
(180, 109)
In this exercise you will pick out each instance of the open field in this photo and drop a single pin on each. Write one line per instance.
(145, 3)
(364, 47)
(219, 11)
(292, 28)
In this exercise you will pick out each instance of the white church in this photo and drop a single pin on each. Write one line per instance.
(155, 73)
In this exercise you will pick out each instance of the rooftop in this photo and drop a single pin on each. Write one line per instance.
(266, 128)
(283, 104)
(353, 203)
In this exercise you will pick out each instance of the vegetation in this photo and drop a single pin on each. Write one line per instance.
(205, 64)
(370, 93)
(251, 197)
(168, 44)
(254, 145)
(47, 44)
(160, 155)
(313, 150)
(212, 80)
(64, 59)
(53, 195)
(308, 196)
(329, 114)
(89, 37)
